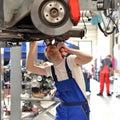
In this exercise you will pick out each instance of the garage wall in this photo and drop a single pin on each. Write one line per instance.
(91, 35)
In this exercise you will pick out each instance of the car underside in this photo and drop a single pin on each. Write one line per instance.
(28, 20)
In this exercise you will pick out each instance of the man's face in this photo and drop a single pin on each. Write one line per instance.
(52, 52)
(51, 49)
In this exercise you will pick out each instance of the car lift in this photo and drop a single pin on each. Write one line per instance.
(15, 77)
(42, 109)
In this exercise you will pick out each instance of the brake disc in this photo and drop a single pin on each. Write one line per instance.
(51, 17)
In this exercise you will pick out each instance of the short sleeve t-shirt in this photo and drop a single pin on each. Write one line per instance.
(61, 73)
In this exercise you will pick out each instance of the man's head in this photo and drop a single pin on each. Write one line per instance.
(52, 53)
(109, 56)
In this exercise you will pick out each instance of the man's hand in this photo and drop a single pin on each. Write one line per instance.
(62, 48)
(33, 43)
(61, 45)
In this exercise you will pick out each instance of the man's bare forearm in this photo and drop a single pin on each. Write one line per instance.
(81, 57)
(30, 58)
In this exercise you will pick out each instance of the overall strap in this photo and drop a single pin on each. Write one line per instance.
(69, 73)
(53, 74)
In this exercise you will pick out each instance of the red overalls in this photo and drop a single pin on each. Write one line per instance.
(104, 76)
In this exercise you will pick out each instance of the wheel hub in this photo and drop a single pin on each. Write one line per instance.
(51, 17)
(53, 12)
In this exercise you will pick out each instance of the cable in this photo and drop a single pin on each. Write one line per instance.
(114, 24)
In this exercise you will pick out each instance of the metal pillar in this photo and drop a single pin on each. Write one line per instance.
(15, 78)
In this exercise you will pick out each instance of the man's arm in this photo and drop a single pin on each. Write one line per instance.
(81, 57)
(30, 65)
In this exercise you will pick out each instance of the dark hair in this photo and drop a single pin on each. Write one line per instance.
(109, 56)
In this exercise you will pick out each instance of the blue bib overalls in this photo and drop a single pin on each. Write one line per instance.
(73, 104)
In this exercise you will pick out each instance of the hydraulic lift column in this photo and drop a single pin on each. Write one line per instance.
(15, 78)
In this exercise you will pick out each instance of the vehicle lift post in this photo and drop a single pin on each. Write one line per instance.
(15, 81)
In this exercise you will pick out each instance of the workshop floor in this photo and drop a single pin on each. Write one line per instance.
(102, 108)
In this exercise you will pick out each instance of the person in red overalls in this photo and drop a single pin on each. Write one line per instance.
(67, 74)
(106, 68)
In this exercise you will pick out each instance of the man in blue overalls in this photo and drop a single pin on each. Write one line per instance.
(68, 77)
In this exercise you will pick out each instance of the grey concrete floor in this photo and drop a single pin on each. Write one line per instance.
(103, 108)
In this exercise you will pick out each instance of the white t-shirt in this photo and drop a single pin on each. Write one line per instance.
(61, 73)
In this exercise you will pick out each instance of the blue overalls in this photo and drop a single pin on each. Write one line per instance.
(74, 105)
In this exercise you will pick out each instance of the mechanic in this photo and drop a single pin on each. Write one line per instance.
(68, 77)
(105, 71)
